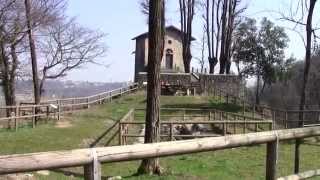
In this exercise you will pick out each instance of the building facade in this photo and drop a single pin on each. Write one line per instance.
(172, 61)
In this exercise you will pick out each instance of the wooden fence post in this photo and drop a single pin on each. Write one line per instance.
(17, 114)
(120, 133)
(244, 107)
(171, 132)
(48, 111)
(274, 118)
(34, 116)
(88, 106)
(100, 99)
(297, 156)
(286, 120)
(59, 109)
(72, 104)
(92, 171)
(271, 160)
(253, 110)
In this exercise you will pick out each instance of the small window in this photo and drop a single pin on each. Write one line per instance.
(170, 42)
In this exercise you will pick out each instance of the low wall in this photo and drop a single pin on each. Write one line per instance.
(168, 78)
(230, 84)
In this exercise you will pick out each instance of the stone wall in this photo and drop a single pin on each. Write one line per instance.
(231, 84)
(183, 79)
(205, 85)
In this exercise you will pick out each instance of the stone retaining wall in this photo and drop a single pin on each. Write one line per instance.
(231, 84)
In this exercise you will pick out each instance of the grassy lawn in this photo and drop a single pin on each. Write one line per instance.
(85, 126)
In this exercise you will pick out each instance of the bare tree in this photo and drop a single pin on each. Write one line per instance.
(11, 36)
(68, 46)
(220, 22)
(229, 13)
(304, 10)
(186, 18)
(156, 46)
(36, 87)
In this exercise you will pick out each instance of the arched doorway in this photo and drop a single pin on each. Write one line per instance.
(169, 59)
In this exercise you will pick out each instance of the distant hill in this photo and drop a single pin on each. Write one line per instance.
(63, 89)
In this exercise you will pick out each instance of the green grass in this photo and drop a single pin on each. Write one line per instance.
(240, 163)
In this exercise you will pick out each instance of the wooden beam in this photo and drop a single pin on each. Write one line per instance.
(304, 175)
(60, 159)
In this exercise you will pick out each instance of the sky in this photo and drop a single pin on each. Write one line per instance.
(122, 20)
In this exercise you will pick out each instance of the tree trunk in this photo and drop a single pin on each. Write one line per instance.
(156, 45)
(186, 18)
(34, 63)
(223, 55)
(8, 79)
(257, 90)
(212, 64)
(307, 58)
(305, 79)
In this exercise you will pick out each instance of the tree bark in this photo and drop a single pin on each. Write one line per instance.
(257, 90)
(156, 45)
(8, 76)
(186, 18)
(305, 78)
(34, 63)
(307, 58)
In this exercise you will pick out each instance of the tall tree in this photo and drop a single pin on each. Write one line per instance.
(259, 51)
(35, 76)
(307, 9)
(220, 19)
(156, 46)
(68, 46)
(212, 28)
(186, 18)
(11, 35)
(229, 13)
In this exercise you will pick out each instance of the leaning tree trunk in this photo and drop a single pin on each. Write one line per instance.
(156, 45)
(36, 87)
(305, 79)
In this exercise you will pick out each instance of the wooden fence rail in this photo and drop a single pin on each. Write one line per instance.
(116, 130)
(92, 158)
(124, 134)
(304, 175)
(56, 108)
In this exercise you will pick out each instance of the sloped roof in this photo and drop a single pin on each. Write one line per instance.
(168, 28)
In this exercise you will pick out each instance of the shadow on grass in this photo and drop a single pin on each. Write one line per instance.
(103, 134)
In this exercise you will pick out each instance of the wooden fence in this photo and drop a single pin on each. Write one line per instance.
(91, 159)
(115, 131)
(227, 122)
(55, 108)
(284, 118)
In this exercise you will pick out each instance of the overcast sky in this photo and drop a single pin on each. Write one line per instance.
(121, 20)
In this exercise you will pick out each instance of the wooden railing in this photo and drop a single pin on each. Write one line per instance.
(91, 159)
(284, 118)
(183, 116)
(115, 130)
(171, 124)
(55, 108)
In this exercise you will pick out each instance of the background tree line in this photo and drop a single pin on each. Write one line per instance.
(39, 41)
